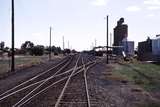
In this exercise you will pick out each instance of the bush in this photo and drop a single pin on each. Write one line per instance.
(38, 50)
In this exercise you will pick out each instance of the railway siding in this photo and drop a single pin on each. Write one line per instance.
(77, 81)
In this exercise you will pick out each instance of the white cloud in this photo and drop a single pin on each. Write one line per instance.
(36, 34)
(99, 2)
(152, 2)
(133, 8)
(151, 15)
(153, 7)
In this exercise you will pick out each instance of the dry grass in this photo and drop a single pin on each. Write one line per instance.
(114, 76)
(21, 62)
(143, 74)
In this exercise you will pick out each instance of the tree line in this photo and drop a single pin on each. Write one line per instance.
(28, 48)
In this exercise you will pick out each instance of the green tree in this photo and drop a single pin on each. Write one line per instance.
(2, 44)
(38, 50)
(27, 47)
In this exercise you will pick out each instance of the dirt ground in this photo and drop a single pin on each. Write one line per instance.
(114, 91)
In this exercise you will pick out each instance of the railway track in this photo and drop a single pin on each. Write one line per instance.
(75, 92)
(10, 96)
(30, 90)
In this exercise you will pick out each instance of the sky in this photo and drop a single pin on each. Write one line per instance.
(79, 21)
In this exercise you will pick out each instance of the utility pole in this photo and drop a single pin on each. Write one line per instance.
(110, 39)
(92, 45)
(111, 49)
(50, 45)
(107, 41)
(63, 42)
(12, 63)
(95, 42)
(68, 44)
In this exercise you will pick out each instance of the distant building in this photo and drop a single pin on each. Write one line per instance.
(156, 45)
(120, 32)
(149, 50)
(145, 50)
(120, 39)
(128, 47)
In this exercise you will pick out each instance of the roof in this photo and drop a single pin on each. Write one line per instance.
(158, 37)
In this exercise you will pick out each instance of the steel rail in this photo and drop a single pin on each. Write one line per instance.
(33, 78)
(86, 84)
(73, 68)
(8, 95)
(39, 86)
(64, 78)
(66, 84)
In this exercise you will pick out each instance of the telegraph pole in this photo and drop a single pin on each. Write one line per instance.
(68, 44)
(95, 42)
(111, 39)
(111, 49)
(107, 41)
(50, 45)
(63, 42)
(12, 63)
(92, 45)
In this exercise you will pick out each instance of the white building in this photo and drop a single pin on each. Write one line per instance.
(156, 45)
(128, 47)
